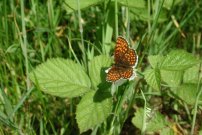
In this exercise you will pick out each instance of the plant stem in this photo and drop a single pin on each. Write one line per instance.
(81, 32)
(24, 44)
(116, 18)
(196, 106)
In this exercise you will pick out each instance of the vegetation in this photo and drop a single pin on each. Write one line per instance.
(53, 60)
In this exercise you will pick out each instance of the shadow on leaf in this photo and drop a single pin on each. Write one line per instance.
(103, 91)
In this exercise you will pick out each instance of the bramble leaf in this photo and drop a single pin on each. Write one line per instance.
(153, 78)
(61, 77)
(155, 60)
(172, 78)
(188, 93)
(154, 120)
(92, 110)
(97, 68)
(178, 60)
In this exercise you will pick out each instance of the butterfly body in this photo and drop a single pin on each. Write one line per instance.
(125, 60)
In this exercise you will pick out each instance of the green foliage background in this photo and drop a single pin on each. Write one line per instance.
(53, 57)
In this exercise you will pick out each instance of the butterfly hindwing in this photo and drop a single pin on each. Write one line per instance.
(115, 73)
(126, 73)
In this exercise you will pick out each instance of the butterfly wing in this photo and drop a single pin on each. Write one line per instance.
(130, 58)
(125, 59)
(120, 49)
(116, 73)
(124, 56)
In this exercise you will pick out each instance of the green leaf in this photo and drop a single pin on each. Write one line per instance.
(192, 74)
(142, 3)
(8, 108)
(200, 132)
(154, 60)
(154, 121)
(187, 92)
(168, 131)
(71, 5)
(142, 13)
(6, 121)
(60, 77)
(13, 48)
(168, 4)
(178, 60)
(153, 78)
(97, 68)
(137, 120)
(136, 4)
(172, 78)
(92, 110)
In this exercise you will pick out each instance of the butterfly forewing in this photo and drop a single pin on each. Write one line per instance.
(123, 54)
(129, 58)
(120, 49)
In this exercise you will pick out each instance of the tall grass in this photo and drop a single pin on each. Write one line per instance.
(33, 31)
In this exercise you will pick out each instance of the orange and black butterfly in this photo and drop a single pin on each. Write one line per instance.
(125, 60)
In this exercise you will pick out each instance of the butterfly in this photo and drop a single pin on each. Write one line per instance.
(125, 60)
